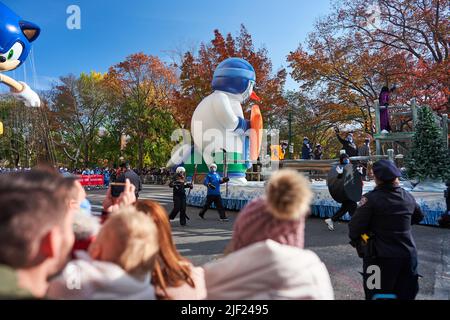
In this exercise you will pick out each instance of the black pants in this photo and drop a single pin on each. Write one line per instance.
(398, 277)
(179, 205)
(217, 200)
(347, 206)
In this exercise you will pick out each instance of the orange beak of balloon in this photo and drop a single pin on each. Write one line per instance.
(255, 97)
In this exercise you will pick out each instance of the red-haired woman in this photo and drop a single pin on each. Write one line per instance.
(174, 277)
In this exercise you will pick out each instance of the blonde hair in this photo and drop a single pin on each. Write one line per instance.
(136, 237)
(288, 195)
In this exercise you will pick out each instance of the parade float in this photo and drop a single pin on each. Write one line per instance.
(222, 135)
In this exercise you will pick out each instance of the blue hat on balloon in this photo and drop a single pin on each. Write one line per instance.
(233, 75)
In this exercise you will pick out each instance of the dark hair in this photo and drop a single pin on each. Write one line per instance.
(125, 165)
(385, 89)
(31, 204)
(342, 157)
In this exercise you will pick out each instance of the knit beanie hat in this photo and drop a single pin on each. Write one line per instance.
(279, 216)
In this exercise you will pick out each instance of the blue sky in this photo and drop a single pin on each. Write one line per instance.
(111, 30)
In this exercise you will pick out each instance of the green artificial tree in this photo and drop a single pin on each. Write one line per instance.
(429, 157)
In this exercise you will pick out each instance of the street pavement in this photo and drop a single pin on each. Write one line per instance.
(204, 240)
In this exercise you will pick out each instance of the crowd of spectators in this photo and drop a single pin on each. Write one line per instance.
(51, 247)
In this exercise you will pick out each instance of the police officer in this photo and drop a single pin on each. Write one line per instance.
(386, 215)
(213, 181)
(128, 173)
(178, 184)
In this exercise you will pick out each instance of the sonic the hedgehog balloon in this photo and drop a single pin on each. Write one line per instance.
(218, 126)
(16, 36)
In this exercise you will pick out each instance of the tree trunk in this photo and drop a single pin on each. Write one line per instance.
(141, 153)
(86, 154)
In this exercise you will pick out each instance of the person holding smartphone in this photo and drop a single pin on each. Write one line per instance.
(119, 193)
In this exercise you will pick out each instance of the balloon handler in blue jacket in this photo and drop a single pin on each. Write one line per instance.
(213, 181)
(178, 184)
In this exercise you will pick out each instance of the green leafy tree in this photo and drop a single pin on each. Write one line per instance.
(429, 157)
(78, 109)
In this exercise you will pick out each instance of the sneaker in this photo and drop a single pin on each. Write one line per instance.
(224, 219)
(202, 215)
(330, 224)
(384, 131)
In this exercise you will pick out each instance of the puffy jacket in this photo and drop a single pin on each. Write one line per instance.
(268, 270)
(98, 280)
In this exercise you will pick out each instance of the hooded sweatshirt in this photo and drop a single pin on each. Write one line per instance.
(88, 279)
(268, 270)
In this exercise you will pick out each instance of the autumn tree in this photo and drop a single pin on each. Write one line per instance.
(417, 28)
(342, 78)
(78, 108)
(27, 138)
(143, 86)
(197, 69)
(364, 45)
(307, 120)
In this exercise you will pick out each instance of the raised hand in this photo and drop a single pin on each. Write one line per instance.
(127, 197)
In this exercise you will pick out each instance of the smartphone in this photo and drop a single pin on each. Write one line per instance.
(117, 188)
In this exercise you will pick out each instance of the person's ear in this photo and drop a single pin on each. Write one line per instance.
(48, 247)
(94, 251)
(73, 204)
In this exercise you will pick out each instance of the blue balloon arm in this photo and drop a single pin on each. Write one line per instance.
(243, 126)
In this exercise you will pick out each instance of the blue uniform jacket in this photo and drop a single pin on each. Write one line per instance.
(215, 179)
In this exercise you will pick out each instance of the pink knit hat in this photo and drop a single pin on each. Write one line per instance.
(255, 223)
(279, 216)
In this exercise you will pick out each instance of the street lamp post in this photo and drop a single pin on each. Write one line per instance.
(290, 135)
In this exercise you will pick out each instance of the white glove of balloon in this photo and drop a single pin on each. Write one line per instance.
(339, 169)
(28, 96)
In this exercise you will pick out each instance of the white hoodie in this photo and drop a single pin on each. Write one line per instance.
(268, 270)
(88, 279)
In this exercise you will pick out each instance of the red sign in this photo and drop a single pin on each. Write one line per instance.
(92, 180)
